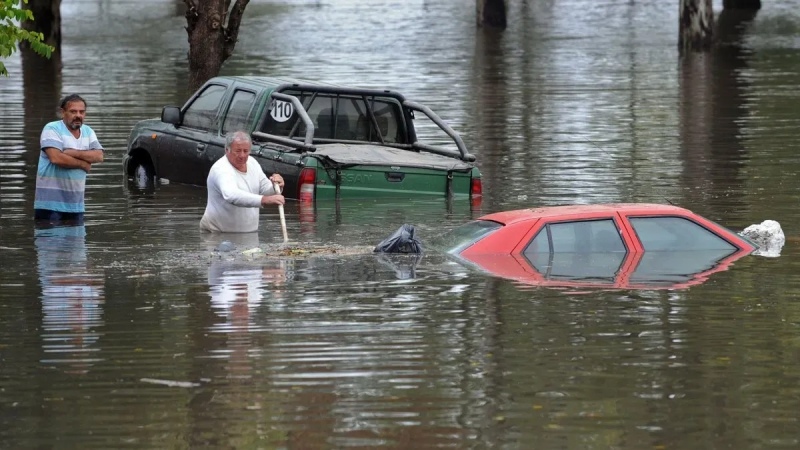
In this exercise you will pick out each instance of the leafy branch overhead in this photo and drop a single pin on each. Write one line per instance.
(11, 33)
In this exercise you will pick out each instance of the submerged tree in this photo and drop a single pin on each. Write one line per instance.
(213, 28)
(491, 13)
(48, 20)
(696, 25)
(11, 34)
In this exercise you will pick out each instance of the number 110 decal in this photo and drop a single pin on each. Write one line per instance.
(281, 111)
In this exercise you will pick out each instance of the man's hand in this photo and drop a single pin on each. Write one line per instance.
(277, 179)
(276, 199)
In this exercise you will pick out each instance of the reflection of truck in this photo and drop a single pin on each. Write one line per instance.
(326, 141)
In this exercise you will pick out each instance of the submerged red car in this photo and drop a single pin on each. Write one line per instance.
(624, 245)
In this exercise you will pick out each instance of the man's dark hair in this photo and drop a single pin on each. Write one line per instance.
(72, 98)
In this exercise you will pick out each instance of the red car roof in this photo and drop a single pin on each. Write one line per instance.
(509, 217)
(502, 251)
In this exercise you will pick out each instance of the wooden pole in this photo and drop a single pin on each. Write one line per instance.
(280, 213)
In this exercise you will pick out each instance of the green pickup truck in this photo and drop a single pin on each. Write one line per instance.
(327, 141)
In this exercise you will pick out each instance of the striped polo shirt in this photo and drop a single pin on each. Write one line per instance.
(57, 188)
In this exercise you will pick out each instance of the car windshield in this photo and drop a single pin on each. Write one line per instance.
(465, 235)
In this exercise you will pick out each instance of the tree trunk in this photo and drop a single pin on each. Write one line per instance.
(46, 20)
(741, 4)
(696, 25)
(491, 13)
(213, 28)
(41, 76)
(41, 87)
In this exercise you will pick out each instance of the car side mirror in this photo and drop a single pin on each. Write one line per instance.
(171, 115)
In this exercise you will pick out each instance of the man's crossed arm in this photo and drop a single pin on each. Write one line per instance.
(74, 159)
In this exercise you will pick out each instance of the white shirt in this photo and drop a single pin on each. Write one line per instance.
(234, 197)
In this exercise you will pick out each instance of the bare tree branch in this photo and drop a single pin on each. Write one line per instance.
(232, 30)
(192, 14)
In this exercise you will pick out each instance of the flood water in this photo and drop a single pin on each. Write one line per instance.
(129, 333)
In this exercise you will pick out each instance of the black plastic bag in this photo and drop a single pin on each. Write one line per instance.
(402, 241)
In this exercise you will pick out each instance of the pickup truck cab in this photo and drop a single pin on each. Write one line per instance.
(326, 141)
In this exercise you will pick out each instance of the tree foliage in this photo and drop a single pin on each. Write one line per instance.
(11, 33)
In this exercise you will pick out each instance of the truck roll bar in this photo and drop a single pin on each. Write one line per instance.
(462, 149)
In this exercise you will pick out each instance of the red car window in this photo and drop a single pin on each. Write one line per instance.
(465, 235)
(583, 236)
(676, 233)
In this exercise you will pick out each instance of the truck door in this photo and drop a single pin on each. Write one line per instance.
(188, 160)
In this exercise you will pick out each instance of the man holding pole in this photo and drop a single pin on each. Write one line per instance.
(237, 187)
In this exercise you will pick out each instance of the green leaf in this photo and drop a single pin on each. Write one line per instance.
(11, 33)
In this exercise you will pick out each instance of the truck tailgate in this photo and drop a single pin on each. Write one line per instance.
(368, 170)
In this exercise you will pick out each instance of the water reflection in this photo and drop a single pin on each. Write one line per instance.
(237, 291)
(72, 298)
(367, 222)
(362, 354)
(404, 266)
(713, 110)
(492, 96)
(236, 283)
(240, 292)
(647, 270)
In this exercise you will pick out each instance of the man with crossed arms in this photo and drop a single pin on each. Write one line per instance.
(68, 150)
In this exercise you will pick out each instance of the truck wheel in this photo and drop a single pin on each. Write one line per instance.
(144, 176)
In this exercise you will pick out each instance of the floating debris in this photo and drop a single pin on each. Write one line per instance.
(170, 383)
(768, 236)
(310, 249)
(225, 246)
(292, 251)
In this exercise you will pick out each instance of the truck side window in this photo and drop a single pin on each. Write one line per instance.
(284, 123)
(353, 123)
(202, 112)
(321, 113)
(236, 118)
(344, 117)
(388, 116)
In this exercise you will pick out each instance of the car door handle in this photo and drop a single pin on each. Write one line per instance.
(395, 177)
(201, 147)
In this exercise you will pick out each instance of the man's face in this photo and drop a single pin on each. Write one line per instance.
(73, 114)
(238, 153)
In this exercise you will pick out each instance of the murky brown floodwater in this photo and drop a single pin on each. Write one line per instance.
(128, 333)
